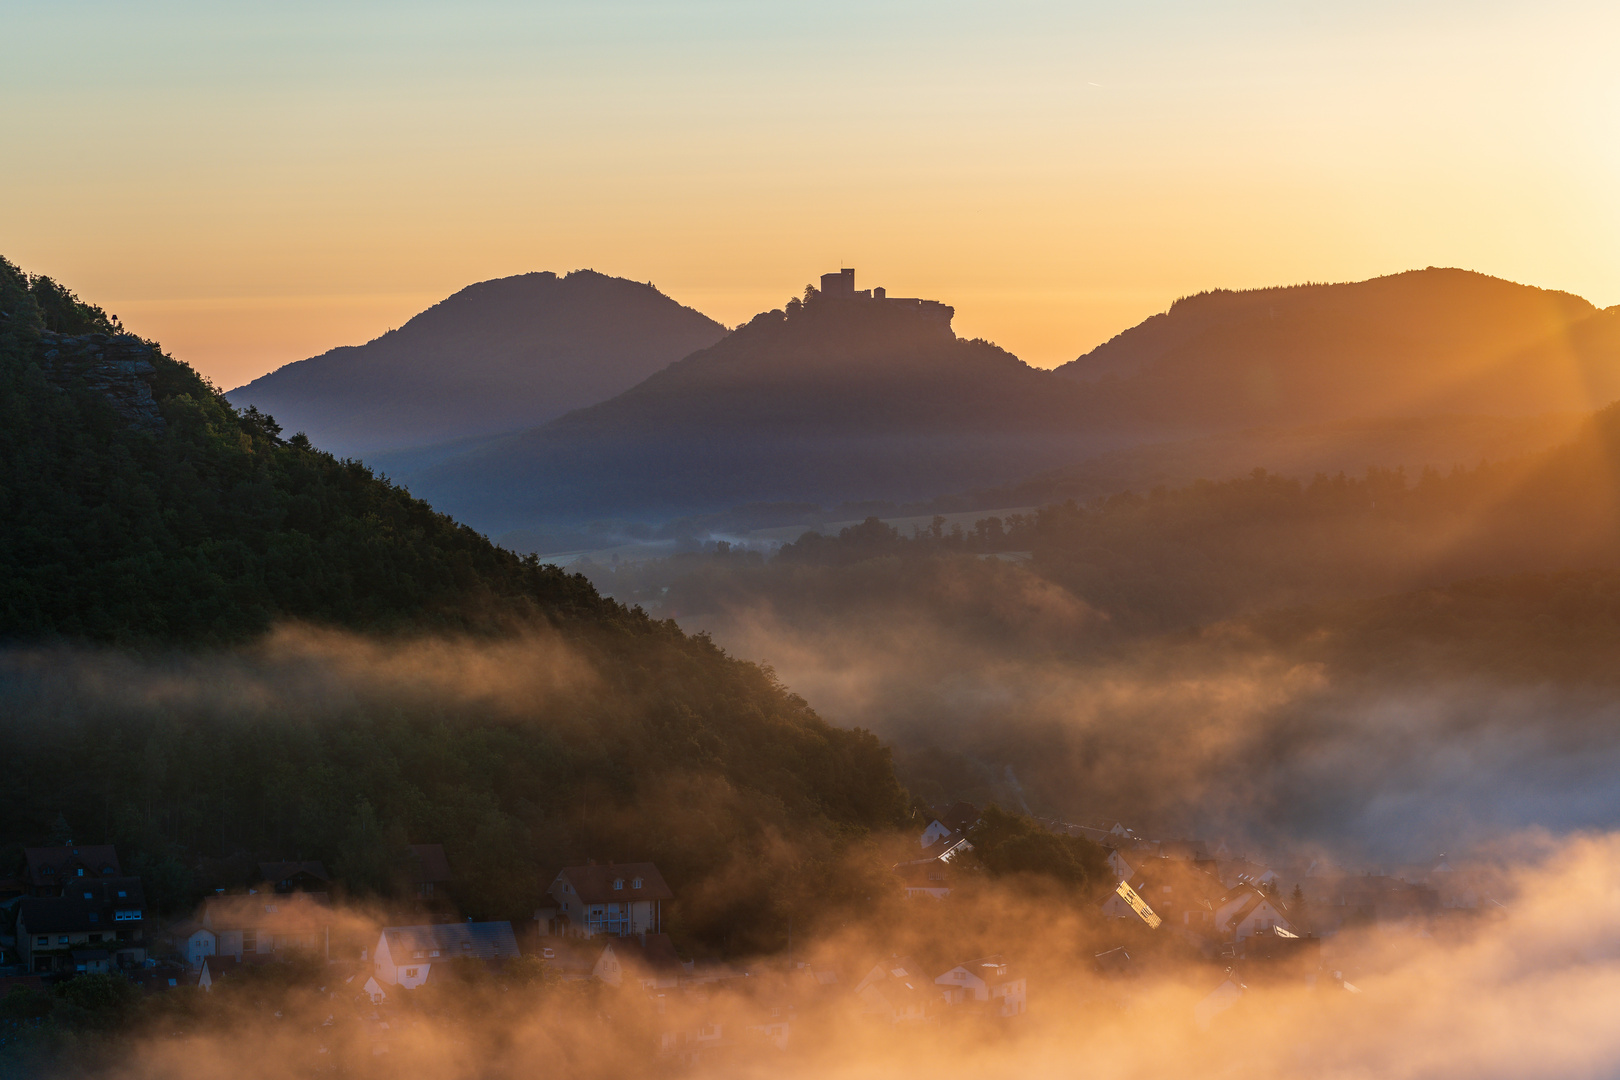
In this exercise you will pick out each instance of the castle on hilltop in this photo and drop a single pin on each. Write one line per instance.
(841, 286)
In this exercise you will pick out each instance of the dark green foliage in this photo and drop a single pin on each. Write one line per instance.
(215, 527)
(209, 529)
(1006, 844)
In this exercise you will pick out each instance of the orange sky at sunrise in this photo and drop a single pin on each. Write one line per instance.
(252, 187)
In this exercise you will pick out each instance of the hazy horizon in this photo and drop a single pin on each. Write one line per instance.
(253, 188)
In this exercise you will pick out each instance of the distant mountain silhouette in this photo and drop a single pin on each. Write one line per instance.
(832, 399)
(861, 397)
(1426, 342)
(498, 356)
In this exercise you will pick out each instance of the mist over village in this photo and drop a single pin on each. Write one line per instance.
(724, 540)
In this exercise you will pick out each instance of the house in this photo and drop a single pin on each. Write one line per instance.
(944, 850)
(608, 898)
(265, 924)
(1179, 891)
(930, 879)
(990, 980)
(193, 940)
(957, 818)
(291, 877)
(89, 913)
(50, 869)
(428, 871)
(405, 955)
(1247, 910)
(896, 991)
(1245, 871)
(650, 963)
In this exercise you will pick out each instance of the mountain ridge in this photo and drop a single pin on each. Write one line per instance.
(498, 355)
(837, 399)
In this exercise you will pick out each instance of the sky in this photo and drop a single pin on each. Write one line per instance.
(253, 184)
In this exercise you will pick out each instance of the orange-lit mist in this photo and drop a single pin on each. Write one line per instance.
(1525, 988)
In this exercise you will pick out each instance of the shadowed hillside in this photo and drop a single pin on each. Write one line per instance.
(1421, 343)
(849, 398)
(302, 656)
(496, 356)
(829, 399)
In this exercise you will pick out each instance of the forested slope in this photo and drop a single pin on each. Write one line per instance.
(433, 688)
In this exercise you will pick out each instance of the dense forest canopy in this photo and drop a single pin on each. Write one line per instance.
(155, 536)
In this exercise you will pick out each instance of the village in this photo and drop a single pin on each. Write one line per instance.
(1235, 921)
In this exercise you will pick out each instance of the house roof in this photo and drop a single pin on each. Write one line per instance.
(942, 850)
(53, 865)
(594, 884)
(992, 969)
(958, 816)
(72, 913)
(1184, 849)
(428, 865)
(281, 871)
(476, 941)
(1247, 898)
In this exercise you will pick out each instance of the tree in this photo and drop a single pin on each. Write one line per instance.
(1007, 843)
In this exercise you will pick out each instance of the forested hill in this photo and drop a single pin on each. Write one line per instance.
(140, 506)
(493, 705)
(497, 356)
(1425, 342)
(846, 400)
(824, 400)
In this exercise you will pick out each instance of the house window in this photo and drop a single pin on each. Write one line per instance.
(417, 954)
(42, 941)
(410, 973)
(636, 884)
(250, 940)
(618, 883)
(94, 916)
(132, 915)
(81, 871)
(122, 894)
(62, 940)
(435, 952)
(87, 896)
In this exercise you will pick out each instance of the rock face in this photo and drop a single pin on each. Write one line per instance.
(119, 367)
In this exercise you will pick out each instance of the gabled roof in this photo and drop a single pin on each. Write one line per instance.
(473, 941)
(53, 865)
(427, 865)
(943, 850)
(73, 911)
(594, 884)
(991, 969)
(958, 816)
